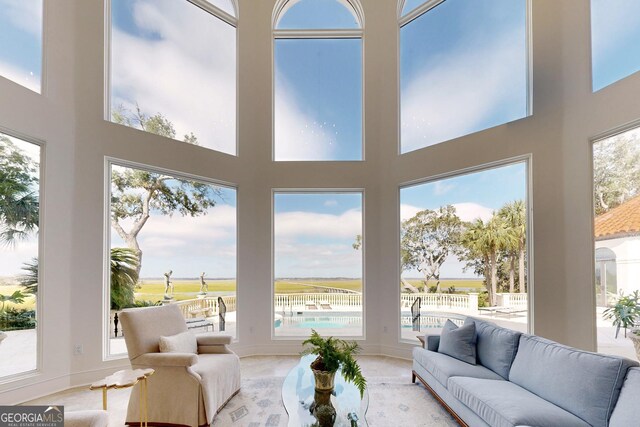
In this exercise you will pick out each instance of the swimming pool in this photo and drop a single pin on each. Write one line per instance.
(354, 319)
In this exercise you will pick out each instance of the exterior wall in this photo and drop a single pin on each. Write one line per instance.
(627, 250)
(566, 116)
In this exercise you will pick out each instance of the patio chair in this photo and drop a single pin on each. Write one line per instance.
(310, 305)
(186, 388)
(325, 305)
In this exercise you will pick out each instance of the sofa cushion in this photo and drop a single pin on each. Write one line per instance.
(184, 342)
(459, 342)
(496, 347)
(504, 404)
(627, 410)
(583, 383)
(442, 366)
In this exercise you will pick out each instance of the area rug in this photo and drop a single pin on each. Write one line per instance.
(259, 404)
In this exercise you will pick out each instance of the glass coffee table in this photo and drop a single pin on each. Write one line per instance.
(298, 392)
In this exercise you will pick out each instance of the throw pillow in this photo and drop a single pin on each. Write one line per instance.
(459, 343)
(184, 342)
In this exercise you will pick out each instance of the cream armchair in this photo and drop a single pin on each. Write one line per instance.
(186, 389)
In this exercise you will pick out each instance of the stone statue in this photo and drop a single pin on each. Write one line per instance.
(204, 288)
(168, 285)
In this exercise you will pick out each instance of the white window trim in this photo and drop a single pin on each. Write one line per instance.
(42, 289)
(109, 162)
(302, 191)
(527, 159)
(321, 34)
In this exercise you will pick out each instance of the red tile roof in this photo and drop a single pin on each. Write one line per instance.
(621, 221)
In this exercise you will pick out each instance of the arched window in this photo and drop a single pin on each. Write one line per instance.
(463, 68)
(318, 80)
(173, 69)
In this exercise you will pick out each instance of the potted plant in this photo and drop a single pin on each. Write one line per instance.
(625, 312)
(334, 354)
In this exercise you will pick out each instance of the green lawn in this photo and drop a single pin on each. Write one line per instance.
(296, 286)
(153, 290)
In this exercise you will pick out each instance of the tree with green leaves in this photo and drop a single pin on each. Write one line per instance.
(616, 170)
(514, 216)
(16, 297)
(124, 276)
(482, 242)
(135, 194)
(19, 205)
(427, 239)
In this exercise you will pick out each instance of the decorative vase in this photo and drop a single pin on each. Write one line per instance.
(324, 380)
(635, 338)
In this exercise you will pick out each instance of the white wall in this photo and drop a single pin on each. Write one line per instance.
(70, 119)
(627, 250)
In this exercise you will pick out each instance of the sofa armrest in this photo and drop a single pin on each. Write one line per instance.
(432, 342)
(212, 339)
(166, 359)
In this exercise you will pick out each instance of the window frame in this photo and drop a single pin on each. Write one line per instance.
(109, 162)
(527, 160)
(42, 290)
(426, 7)
(289, 190)
(279, 11)
(205, 6)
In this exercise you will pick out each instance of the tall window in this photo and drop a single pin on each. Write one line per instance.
(173, 70)
(318, 81)
(318, 248)
(616, 174)
(464, 250)
(21, 41)
(19, 223)
(173, 241)
(615, 40)
(463, 68)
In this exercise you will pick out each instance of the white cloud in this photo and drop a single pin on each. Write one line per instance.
(28, 79)
(442, 188)
(465, 211)
(309, 224)
(330, 203)
(24, 14)
(294, 259)
(466, 88)
(187, 71)
(297, 135)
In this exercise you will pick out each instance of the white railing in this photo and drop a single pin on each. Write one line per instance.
(464, 302)
(515, 300)
(293, 301)
(198, 307)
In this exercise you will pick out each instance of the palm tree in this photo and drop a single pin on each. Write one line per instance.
(30, 278)
(16, 297)
(19, 206)
(484, 241)
(514, 215)
(124, 276)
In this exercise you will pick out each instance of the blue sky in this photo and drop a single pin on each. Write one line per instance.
(463, 69)
(317, 14)
(475, 195)
(314, 233)
(13, 257)
(172, 57)
(615, 29)
(21, 41)
(189, 245)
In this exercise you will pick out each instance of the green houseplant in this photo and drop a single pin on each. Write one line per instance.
(625, 312)
(334, 354)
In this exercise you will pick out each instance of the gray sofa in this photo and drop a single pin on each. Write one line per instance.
(525, 380)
